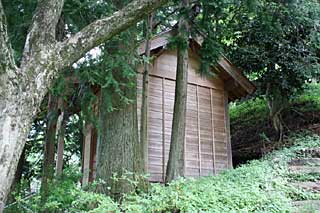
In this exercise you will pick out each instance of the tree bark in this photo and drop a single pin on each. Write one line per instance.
(13, 128)
(145, 95)
(104, 29)
(23, 89)
(117, 149)
(175, 167)
(17, 178)
(6, 56)
(276, 104)
(42, 32)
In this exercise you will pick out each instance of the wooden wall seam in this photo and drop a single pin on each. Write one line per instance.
(185, 141)
(163, 132)
(198, 124)
(213, 139)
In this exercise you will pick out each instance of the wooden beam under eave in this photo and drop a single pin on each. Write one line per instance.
(227, 123)
(231, 85)
(236, 74)
(157, 41)
(237, 92)
(232, 97)
(242, 92)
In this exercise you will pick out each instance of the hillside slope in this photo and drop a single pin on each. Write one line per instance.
(252, 133)
(284, 181)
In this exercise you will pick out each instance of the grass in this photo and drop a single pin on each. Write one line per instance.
(259, 186)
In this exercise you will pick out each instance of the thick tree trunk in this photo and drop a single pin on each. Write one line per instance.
(17, 178)
(49, 147)
(275, 110)
(145, 95)
(23, 89)
(9, 121)
(118, 147)
(175, 167)
(15, 110)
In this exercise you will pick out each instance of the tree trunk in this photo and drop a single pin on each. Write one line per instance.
(15, 122)
(145, 95)
(175, 167)
(117, 147)
(49, 150)
(23, 89)
(276, 104)
(17, 178)
(52, 120)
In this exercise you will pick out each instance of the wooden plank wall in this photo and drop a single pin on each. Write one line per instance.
(220, 133)
(206, 143)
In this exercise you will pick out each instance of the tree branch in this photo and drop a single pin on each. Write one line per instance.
(6, 52)
(41, 66)
(101, 30)
(43, 27)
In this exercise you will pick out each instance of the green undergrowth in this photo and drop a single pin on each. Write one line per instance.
(260, 186)
(252, 132)
(304, 177)
(252, 110)
(256, 110)
(311, 97)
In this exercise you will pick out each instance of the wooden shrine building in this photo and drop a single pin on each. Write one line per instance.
(207, 142)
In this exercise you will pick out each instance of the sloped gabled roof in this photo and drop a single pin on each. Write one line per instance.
(236, 83)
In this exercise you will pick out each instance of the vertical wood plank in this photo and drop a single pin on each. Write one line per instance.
(93, 150)
(60, 132)
(59, 162)
(227, 122)
(199, 137)
(163, 132)
(213, 139)
(185, 142)
(87, 153)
